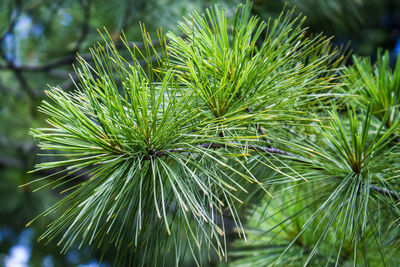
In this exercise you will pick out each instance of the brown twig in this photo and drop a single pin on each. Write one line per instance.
(272, 150)
(13, 162)
(67, 60)
(385, 191)
(20, 77)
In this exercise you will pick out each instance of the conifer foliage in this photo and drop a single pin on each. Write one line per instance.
(238, 139)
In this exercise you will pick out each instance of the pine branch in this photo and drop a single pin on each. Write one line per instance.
(384, 191)
(258, 127)
(20, 77)
(216, 146)
(12, 162)
(106, 131)
(67, 60)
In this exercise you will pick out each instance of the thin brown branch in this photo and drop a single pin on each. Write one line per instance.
(67, 60)
(25, 84)
(268, 149)
(384, 191)
(20, 77)
(272, 150)
(258, 127)
(13, 162)
(261, 131)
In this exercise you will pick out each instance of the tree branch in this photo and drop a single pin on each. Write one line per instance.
(12, 162)
(272, 150)
(25, 85)
(20, 77)
(385, 191)
(249, 147)
(67, 60)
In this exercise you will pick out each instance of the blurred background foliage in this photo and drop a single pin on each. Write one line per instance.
(39, 40)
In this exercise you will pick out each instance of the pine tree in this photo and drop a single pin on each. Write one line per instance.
(242, 139)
